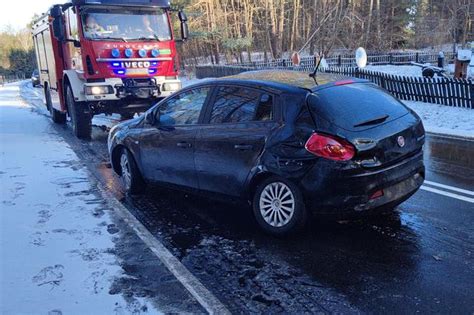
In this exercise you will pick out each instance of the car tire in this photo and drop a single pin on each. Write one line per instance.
(279, 207)
(57, 116)
(81, 119)
(130, 174)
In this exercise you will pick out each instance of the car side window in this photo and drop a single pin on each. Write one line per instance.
(184, 108)
(240, 104)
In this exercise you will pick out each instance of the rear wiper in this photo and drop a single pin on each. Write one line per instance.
(374, 121)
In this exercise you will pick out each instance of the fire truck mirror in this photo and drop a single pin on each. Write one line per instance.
(58, 29)
(182, 16)
(184, 30)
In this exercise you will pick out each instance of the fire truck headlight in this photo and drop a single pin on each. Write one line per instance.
(98, 90)
(172, 86)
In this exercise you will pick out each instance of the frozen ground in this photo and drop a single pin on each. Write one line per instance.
(62, 248)
(447, 120)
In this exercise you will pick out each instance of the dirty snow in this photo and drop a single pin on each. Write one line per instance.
(447, 120)
(55, 247)
(413, 71)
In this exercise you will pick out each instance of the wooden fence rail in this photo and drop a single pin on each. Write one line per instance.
(451, 92)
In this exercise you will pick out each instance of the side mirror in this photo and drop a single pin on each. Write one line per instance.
(59, 31)
(152, 117)
(182, 16)
(184, 25)
(184, 31)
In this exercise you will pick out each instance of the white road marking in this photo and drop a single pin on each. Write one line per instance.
(207, 300)
(447, 194)
(464, 191)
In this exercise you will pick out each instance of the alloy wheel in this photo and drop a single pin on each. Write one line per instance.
(126, 174)
(277, 204)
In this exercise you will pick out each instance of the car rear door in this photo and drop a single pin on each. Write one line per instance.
(238, 122)
(167, 148)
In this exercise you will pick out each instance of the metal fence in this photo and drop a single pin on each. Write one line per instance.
(11, 78)
(451, 92)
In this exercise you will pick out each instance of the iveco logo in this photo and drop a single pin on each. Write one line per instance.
(401, 141)
(135, 64)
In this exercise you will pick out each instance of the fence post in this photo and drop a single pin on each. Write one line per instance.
(471, 84)
(339, 60)
(441, 59)
(390, 58)
(417, 57)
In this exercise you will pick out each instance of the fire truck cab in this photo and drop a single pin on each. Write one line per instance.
(106, 56)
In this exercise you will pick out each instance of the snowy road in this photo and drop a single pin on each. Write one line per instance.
(419, 260)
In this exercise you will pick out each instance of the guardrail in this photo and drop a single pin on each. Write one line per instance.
(451, 92)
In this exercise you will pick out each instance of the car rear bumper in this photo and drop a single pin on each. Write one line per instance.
(340, 193)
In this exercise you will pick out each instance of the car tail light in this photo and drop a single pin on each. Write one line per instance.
(330, 147)
(377, 194)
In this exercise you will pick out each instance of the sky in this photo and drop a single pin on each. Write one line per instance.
(18, 13)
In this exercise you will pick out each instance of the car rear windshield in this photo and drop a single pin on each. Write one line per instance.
(356, 106)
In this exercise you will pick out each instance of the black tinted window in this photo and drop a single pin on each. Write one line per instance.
(184, 108)
(238, 104)
(350, 105)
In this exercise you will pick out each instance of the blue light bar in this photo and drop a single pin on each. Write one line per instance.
(119, 71)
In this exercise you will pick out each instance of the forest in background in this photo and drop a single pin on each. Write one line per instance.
(244, 30)
(17, 56)
(238, 29)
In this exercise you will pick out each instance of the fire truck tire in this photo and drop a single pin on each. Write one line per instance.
(81, 120)
(57, 116)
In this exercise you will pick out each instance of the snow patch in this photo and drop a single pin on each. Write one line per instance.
(447, 120)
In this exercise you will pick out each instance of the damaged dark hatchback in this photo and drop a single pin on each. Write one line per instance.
(342, 147)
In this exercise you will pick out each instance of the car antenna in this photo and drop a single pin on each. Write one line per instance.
(313, 74)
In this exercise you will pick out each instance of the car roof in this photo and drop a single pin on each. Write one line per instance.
(286, 79)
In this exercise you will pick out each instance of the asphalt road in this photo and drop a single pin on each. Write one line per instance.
(418, 260)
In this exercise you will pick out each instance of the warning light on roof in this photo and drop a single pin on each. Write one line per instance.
(128, 53)
(115, 53)
(142, 53)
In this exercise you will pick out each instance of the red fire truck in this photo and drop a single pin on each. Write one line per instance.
(106, 56)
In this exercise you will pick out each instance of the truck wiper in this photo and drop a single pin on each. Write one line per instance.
(374, 121)
(119, 38)
(148, 38)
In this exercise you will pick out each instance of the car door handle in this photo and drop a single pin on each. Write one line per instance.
(243, 147)
(184, 145)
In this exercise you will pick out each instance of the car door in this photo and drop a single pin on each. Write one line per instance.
(167, 147)
(228, 146)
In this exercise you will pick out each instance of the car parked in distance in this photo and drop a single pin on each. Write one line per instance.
(291, 147)
(35, 78)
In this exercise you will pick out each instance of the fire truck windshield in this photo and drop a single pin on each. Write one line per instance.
(126, 25)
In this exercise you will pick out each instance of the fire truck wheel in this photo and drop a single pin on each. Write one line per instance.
(80, 117)
(57, 116)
